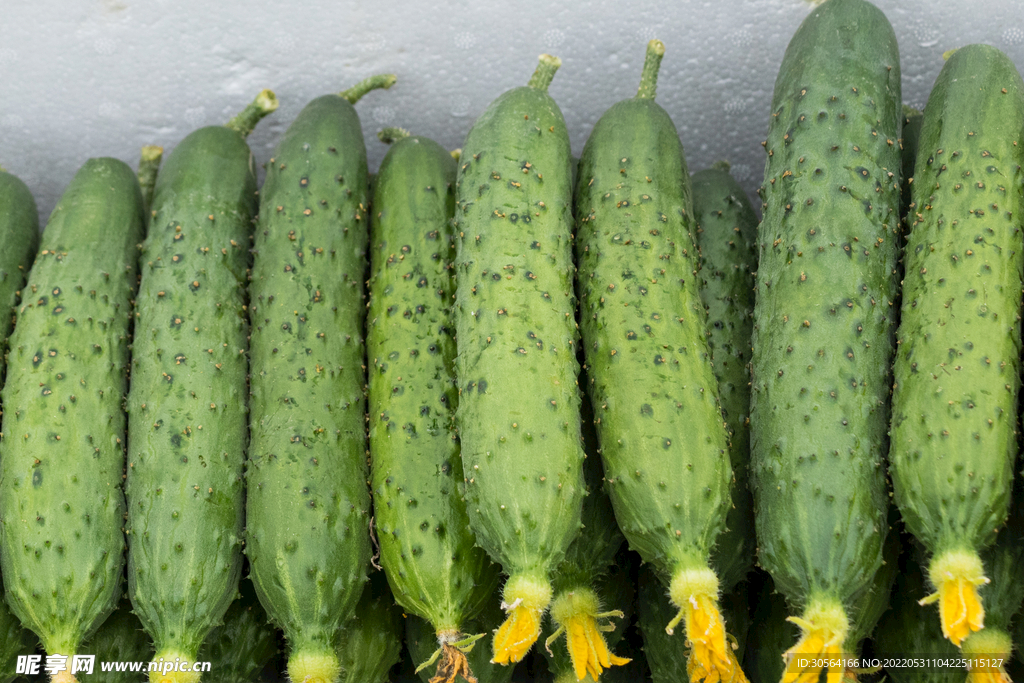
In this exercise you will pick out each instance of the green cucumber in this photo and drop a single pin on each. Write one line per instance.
(240, 647)
(909, 138)
(307, 462)
(370, 641)
(663, 440)
(824, 317)
(427, 549)
(727, 238)
(61, 501)
(19, 233)
(120, 641)
(957, 373)
(583, 593)
(907, 630)
(187, 408)
(421, 639)
(518, 414)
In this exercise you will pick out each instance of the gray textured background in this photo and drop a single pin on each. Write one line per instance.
(81, 78)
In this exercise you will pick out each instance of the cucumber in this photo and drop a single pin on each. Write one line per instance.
(663, 440)
(187, 407)
(583, 594)
(910, 135)
(19, 233)
(307, 463)
(240, 647)
(370, 641)
(518, 414)
(120, 640)
(427, 549)
(727, 238)
(61, 502)
(421, 639)
(908, 631)
(824, 317)
(954, 423)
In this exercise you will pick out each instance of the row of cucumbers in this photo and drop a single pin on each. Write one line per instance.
(247, 418)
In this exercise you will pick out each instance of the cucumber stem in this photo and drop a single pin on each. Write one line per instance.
(389, 135)
(546, 68)
(247, 119)
(649, 76)
(378, 82)
(149, 164)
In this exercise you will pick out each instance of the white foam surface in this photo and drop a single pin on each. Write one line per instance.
(82, 78)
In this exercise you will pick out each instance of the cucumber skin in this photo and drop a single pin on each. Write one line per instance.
(308, 503)
(240, 647)
(973, 463)
(727, 238)
(62, 578)
(663, 439)
(816, 461)
(535, 468)
(19, 233)
(120, 639)
(179, 594)
(427, 549)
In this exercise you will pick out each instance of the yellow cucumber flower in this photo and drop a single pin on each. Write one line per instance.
(525, 599)
(989, 650)
(711, 659)
(823, 631)
(957, 574)
(576, 613)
